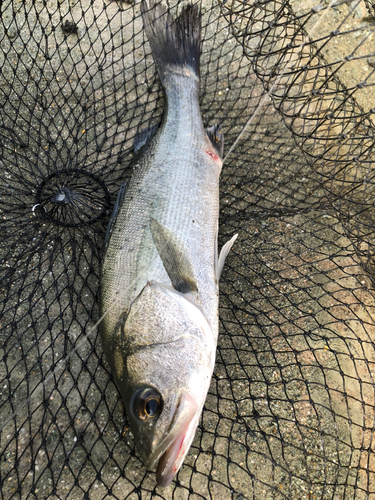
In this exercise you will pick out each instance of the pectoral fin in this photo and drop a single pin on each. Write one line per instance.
(174, 258)
(223, 255)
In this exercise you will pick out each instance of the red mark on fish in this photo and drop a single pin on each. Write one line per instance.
(213, 155)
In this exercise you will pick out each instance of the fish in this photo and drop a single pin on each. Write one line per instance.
(161, 268)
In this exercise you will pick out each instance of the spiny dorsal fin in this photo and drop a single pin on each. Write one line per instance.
(116, 208)
(174, 258)
(223, 255)
(216, 137)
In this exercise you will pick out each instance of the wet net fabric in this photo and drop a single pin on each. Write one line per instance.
(291, 408)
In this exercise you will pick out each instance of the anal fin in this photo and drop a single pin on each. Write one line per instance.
(216, 137)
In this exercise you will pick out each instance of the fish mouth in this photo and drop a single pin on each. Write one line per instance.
(172, 450)
(171, 460)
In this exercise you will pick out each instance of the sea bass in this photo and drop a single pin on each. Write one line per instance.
(160, 273)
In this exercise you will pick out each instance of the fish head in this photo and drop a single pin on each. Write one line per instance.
(170, 357)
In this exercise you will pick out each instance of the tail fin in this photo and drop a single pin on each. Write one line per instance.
(174, 43)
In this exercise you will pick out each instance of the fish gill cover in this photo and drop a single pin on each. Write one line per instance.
(291, 407)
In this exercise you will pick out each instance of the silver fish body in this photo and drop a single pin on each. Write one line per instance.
(159, 285)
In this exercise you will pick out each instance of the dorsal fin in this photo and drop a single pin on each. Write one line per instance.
(116, 208)
(174, 257)
(143, 137)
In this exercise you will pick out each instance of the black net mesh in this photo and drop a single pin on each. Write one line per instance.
(291, 409)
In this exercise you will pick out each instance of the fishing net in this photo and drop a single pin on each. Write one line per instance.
(291, 409)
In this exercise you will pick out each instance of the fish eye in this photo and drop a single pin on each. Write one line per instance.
(148, 404)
